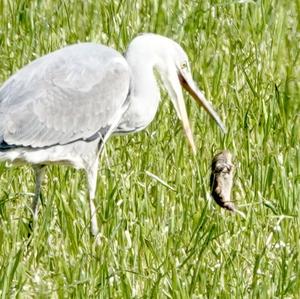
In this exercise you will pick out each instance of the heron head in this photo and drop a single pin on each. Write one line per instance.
(174, 69)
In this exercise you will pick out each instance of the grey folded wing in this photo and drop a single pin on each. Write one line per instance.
(64, 96)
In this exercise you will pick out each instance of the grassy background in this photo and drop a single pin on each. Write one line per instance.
(160, 243)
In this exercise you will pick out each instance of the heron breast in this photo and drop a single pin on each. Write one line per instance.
(139, 115)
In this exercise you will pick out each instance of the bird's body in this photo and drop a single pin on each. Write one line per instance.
(62, 107)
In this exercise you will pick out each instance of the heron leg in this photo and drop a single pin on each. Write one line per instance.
(39, 175)
(91, 173)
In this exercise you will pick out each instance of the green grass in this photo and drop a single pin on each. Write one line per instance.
(161, 243)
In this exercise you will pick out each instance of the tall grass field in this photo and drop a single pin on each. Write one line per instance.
(162, 234)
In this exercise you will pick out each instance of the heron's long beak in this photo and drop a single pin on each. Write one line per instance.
(182, 114)
(189, 85)
(172, 84)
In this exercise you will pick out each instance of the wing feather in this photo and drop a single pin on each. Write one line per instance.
(64, 96)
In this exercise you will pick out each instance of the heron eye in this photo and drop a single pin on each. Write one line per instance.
(183, 65)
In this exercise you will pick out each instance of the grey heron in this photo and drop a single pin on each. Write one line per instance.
(63, 107)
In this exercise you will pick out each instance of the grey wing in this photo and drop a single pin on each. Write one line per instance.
(67, 95)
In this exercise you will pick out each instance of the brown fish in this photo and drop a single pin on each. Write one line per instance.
(221, 179)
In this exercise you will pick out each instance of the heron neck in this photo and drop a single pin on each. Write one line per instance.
(144, 94)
